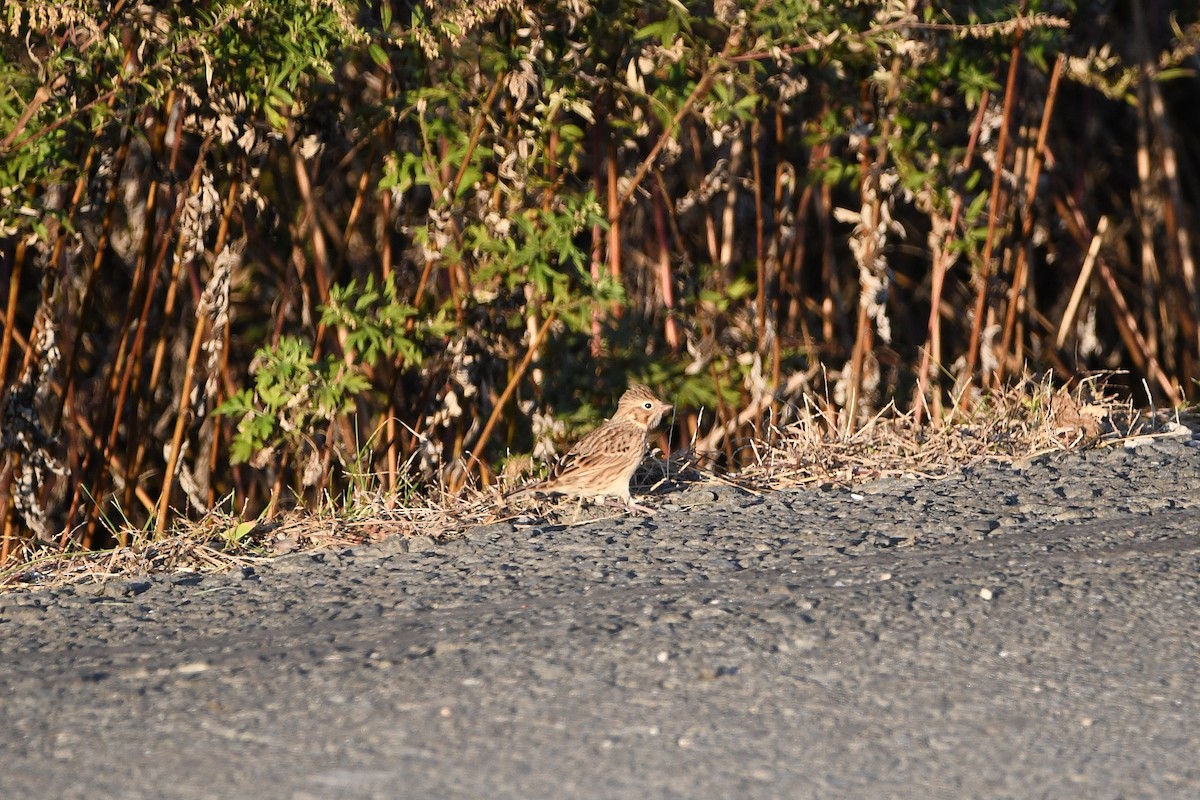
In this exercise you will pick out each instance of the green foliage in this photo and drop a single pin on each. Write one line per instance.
(376, 323)
(720, 301)
(419, 192)
(67, 79)
(540, 247)
(293, 395)
(234, 535)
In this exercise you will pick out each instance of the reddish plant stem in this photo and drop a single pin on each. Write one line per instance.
(513, 382)
(1021, 274)
(665, 283)
(985, 269)
(941, 264)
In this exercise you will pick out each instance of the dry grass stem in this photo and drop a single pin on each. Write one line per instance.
(1001, 427)
(1016, 425)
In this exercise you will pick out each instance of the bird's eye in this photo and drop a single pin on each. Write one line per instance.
(647, 405)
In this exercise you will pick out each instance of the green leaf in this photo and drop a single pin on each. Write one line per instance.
(655, 30)
(234, 535)
(378, 55)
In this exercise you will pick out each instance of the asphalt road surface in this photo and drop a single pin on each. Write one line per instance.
(1024, 632)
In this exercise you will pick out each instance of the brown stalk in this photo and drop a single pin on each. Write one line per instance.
(784, 187)
(597, 265)
(40, 97)
(214, 443)
(1021, 274)
(514, 381)
(665, 283)
(392, 476)
(789, 279)
(182, 415)
(310, 226)
(985, 267)
(7, 535)
(674, 234)
(762, 271)
(360, 194)
(872, 168)
(1147, 212)
(941, 264)
(760, 259)
(110, 203)
(831, 281)
(614, 220)
(183, 410)
(728, 213)
(1179, 247)
(10, 317)
(219, 425)
(160, 349)
(384, 227)
(117, 381)
(10, 314)
(1085, 274)
(1127, 325)
(863, 343)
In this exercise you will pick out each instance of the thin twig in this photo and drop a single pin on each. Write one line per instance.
(513, 382)
(1085, 274)
(985, 267)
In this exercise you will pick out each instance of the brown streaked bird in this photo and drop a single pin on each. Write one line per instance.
(603, 462)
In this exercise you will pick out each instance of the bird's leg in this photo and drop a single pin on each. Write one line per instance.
(633, 507)
(638, 507)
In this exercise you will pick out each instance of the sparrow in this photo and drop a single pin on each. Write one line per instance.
(603, 462)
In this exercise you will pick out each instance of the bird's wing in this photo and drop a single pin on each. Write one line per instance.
(601, 444)
(596, 457)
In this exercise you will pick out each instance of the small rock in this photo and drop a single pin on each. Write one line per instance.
(420, 544)
(1176, 429)
(389, 546)
(136, 587)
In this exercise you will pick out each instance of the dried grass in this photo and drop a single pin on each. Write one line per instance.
(1024, 422)
(221, 541)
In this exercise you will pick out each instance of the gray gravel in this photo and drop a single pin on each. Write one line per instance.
(1020, 632)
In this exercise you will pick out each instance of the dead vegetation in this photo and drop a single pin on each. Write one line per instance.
(1029, 420)
(259, 250)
